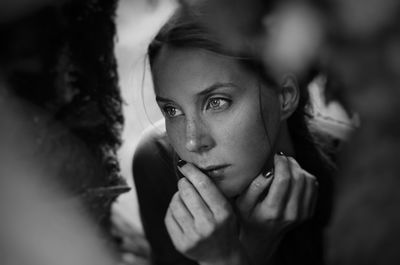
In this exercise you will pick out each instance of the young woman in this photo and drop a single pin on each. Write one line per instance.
(235, 177)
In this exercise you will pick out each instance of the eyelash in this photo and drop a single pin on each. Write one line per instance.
(167, 109)
(220, 107)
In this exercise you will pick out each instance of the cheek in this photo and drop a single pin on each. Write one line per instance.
(246, 137)
(176, 137)
(247, 147)
(247, 141)
(253, 144)
(253, 130)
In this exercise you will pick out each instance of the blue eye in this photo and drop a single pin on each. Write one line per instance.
(171, 112)
(218, 104)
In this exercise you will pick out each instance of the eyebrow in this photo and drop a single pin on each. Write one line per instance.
(203, 92)
(215, 87)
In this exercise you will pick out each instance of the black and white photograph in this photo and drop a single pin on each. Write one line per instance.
(211, 132)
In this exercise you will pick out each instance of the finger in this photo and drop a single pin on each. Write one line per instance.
(249, 198)
(194, 202)
(274, 203)
(182, 215)
(169, 214)
(173, 228)
(211, 195)
(310, 197)
(294, 208)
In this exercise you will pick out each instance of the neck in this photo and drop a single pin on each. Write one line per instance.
(284, 141)
(283, 144)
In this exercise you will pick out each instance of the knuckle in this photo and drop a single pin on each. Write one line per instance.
(195, 238)
(297, 171)
(196, 208)
(205, 229)
(183, 248)
(299, 178)
(190, 246)
(184, 192)
(172, 207)
(256, 184)
(271, 214)
(283, 179)
(175, 198)
(174, 202)
(223, 216)
(294, 165)
(203, 184)
(180, 183)
(292, 160)
(226, 207)
(297, 175)
(291, 216)
(312, 179)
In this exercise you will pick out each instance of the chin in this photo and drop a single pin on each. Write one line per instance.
(229, 191)
(233, 187)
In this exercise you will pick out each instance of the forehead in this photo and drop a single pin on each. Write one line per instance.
(190, 69)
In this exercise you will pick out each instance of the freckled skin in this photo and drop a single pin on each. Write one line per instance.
(234, 135)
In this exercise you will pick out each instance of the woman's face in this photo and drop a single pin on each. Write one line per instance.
(213, 115)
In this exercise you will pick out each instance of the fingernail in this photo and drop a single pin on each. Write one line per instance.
(281, 153)
(181, 163)
(268, 174)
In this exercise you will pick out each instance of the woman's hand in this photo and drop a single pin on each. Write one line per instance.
(200, 221)
(274, 203)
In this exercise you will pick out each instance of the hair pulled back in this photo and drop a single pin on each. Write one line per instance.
(185, 30)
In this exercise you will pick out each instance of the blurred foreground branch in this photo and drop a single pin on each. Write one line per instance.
(61, 114)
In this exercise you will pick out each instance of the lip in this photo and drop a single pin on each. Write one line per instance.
(216, 167)
(215, 171)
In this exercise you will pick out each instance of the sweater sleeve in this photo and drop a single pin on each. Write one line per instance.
(155, 181)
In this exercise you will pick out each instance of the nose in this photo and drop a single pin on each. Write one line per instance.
(198, 137)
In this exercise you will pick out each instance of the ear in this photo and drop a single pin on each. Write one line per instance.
(289, 96)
